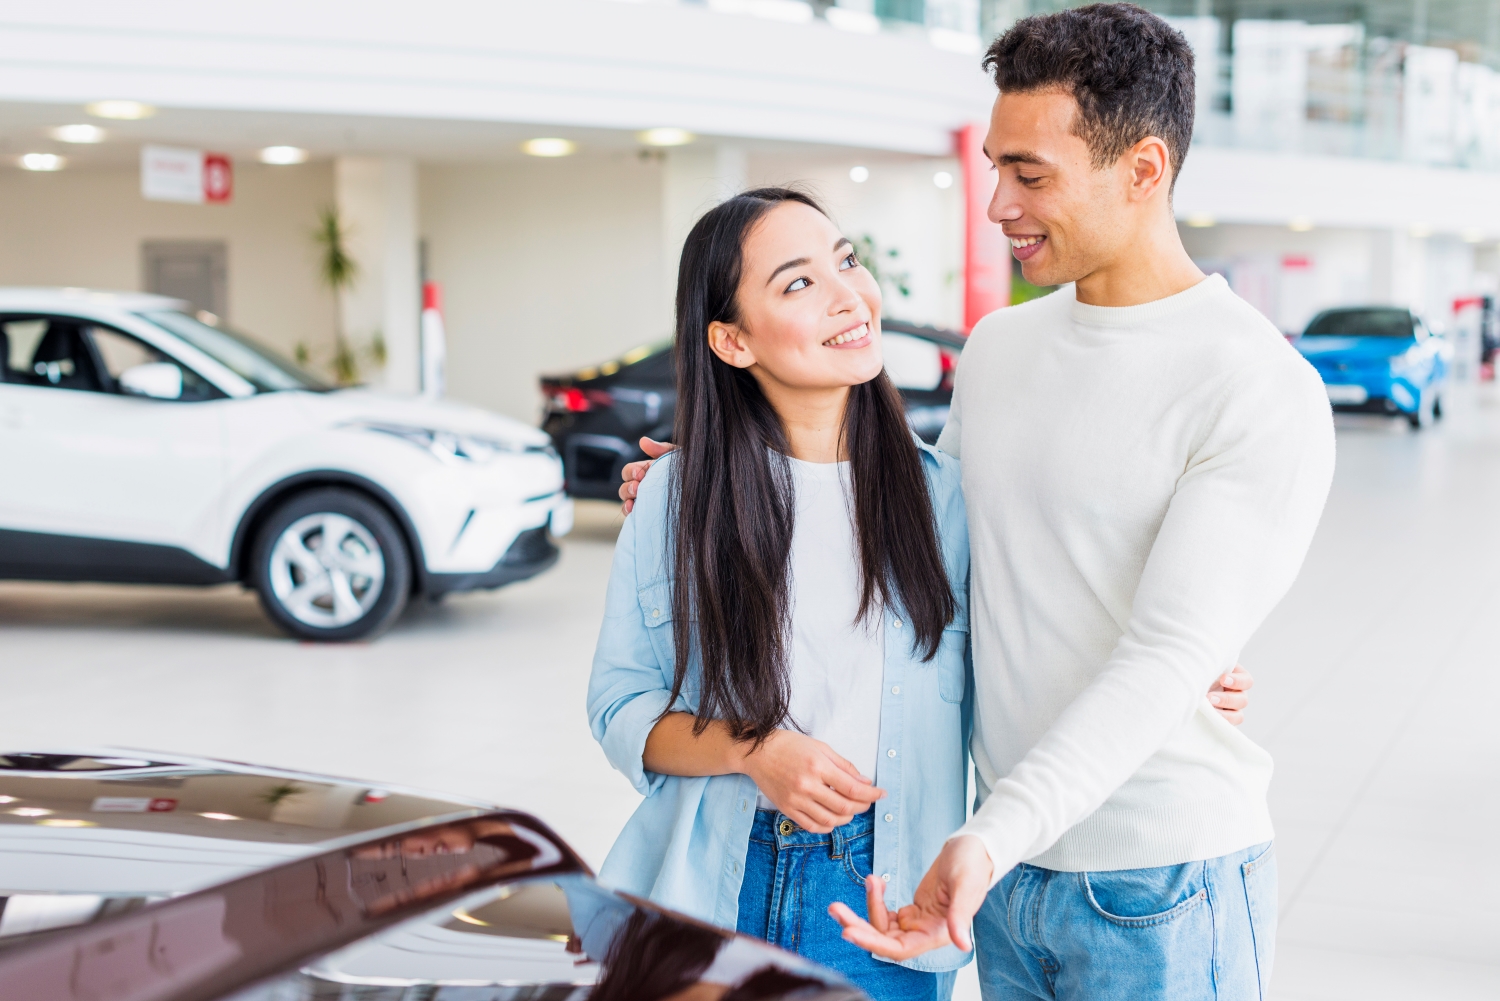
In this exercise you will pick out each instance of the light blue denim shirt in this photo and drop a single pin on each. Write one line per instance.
(685, 846)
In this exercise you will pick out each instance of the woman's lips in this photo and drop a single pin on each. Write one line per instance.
(1026, 247)
(855, 337)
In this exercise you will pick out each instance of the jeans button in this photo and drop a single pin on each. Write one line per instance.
(787, 827)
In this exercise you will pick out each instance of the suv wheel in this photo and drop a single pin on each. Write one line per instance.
(330, 564)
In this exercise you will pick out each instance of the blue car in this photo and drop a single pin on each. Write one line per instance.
(1379, 360)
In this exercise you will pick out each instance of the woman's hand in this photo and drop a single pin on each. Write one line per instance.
(809, 782)
(1230, 694)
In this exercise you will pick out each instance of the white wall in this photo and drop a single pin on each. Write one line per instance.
(901, 208)
(85, 227)
(546, 265)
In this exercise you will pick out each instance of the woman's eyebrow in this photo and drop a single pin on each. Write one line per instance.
(842, 241)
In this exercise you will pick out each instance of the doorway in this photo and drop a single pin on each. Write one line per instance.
(195, 270)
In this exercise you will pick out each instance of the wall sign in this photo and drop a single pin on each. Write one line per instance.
(191, 176)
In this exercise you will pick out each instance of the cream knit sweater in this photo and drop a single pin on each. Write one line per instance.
(1142, 485)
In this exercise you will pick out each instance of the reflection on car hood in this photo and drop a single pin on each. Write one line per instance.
(124, 823)
(437, 415)
(1354, 348)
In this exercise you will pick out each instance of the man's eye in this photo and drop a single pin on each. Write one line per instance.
(799, 285)
(1027, 180)
(852, 261)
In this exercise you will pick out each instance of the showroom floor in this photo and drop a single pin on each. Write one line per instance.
(1377, 694)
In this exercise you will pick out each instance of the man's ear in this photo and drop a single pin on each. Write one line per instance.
(728, 342)
(1150, 164)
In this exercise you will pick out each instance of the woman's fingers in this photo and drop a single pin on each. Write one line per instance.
(1229, 700)
(880, 918)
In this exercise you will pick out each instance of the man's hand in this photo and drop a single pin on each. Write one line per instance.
(1230, 694)
(635, 472)
(809, 782)
(945, 904)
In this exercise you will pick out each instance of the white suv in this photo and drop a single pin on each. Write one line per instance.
(141, 444)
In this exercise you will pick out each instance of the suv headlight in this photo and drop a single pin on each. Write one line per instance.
(451, 446)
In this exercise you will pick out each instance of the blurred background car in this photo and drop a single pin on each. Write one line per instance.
(1380, 360)
(131, 876)
(144, 445)
(596, 416)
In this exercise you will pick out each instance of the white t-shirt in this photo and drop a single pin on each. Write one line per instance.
(836, 663)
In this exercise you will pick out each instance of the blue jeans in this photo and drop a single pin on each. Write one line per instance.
(1193, 931)
(792, 875)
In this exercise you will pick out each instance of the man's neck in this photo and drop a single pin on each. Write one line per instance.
(1154, 266)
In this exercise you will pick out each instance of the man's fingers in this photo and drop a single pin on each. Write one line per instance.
(655, 449)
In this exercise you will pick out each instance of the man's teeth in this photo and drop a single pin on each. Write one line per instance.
(1025, 241)
(846, 337)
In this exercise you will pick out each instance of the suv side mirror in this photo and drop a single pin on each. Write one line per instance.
(159, 380)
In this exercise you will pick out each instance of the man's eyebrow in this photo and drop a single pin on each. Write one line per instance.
(1023, 156)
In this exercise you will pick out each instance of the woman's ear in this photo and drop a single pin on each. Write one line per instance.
(728, 342)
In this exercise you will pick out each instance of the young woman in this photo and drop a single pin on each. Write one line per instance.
(783, 666)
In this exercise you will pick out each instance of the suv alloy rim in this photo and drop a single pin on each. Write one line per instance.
(327, 570)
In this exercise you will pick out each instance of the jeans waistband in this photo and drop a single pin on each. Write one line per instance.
(775, 827)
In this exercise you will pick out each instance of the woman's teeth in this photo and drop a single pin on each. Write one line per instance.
(847, 336)
(1025, 241)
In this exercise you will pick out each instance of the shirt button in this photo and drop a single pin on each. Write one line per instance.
(897, 623)
(895, 689)
(890, 817)
(891, 753)
(886, 876)
(656, 613)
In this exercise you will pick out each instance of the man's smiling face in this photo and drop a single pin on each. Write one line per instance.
(1065, 219)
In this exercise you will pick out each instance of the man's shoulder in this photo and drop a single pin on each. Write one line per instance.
(1032, 315)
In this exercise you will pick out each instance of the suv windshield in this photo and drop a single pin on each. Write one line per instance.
(257, 365)
(1361, 323)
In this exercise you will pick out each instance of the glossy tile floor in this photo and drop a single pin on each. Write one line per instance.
(1379, 683)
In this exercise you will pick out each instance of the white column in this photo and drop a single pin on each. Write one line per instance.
(694, 179)
(377, 202)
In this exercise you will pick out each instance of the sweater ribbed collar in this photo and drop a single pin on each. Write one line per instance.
(1146, 312)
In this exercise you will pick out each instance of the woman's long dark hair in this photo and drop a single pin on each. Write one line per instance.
(732, 499)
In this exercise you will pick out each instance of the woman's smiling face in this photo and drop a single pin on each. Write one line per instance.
(809, 312)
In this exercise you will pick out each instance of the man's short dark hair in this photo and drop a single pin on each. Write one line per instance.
(1130, 72)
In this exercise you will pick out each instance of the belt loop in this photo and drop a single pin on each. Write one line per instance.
(836, 842)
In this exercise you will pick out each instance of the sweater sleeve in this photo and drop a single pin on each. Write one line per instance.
(1233, 538)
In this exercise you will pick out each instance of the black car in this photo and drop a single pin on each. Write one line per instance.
(144, 877)
(596, 416)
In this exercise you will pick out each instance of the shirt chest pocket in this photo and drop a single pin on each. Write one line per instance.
(655, 600)
(952, 660)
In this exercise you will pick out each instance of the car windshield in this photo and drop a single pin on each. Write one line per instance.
(1361, 323)
(257, 365)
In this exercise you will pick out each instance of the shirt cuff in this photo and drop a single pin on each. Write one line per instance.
(625, 739)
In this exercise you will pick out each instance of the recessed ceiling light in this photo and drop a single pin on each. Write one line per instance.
(219, 816)
(283, 155)
(665, 137)
(42, 161)
(81, 133)
(66, 822)
(548, 146)
(124, 111)
(1300, 224)
(30, 811)
(943, 179)
(1201, 220)
(859, 175)
(7, 799)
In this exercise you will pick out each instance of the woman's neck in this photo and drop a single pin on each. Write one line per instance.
(813, 420)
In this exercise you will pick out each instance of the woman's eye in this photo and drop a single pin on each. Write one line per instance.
(852, 261)
(799, 285)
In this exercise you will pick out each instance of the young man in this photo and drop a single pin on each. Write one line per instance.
(1145, 460)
